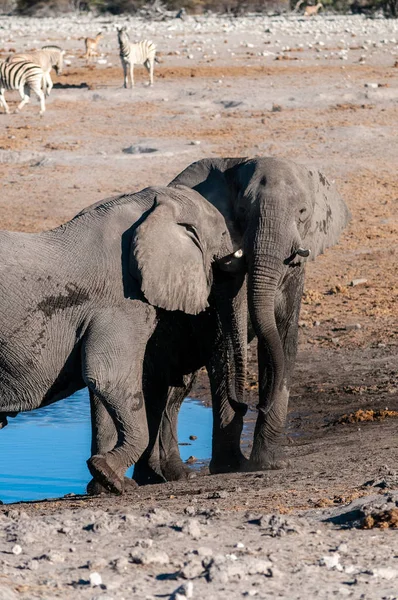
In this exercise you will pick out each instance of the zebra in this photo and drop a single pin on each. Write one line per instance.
(23, 76)
(142, 53)
(49, 57)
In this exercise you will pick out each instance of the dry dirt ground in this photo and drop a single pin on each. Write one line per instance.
(323, 92)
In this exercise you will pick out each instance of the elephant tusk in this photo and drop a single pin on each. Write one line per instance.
(303, 252)
(238, 253)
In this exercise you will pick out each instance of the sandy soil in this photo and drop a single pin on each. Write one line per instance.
(320, 91)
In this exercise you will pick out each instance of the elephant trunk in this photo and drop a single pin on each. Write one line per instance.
(267, 267)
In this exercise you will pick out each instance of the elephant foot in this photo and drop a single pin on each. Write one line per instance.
(269, 459)
(144, 474)
(103, 473)
(177, 471)
(94, 488)
(228, 464)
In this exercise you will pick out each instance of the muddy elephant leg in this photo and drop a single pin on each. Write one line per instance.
(227, 374)
(162, 461)
(113, 357)
(267, 451)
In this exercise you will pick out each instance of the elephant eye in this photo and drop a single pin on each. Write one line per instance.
(190, 228)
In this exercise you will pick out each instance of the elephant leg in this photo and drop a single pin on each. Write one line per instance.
(147, 469)
(227, 374)
(267, 452)
(161, 461)
(103, 440)
(171, 464)
(112, 367)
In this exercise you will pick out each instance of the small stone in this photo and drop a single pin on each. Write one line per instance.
(16, 549)
(372, 86)
(193, 437)
(385, 573)
(95, 579)
(331, 562)
(144, 543)
(356, 282)
(219, 494)
(149, 557)
(195, 143)
(239, 545)
(191, 459)
(192, 528)
(120, 564)
(184, 591)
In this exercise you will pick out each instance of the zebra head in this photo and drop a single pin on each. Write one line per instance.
(56, 57)
(122, 34)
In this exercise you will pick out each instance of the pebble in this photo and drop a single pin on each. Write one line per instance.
(16, 549)
(385, 573)
(149, 557)
(372, 86)
(331, 562)
(355, 282)
(192, 528)
(184, 591)
(95, 579)
(195, 143)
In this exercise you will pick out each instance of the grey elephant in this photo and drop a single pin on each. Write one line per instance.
(78, 309)
(279, 215)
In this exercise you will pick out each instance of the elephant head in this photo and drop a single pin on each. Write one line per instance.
(278, 214)
(173, 248)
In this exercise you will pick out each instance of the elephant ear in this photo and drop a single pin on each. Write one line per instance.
(329, 216)
(171, 260)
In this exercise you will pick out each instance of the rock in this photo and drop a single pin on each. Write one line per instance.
(192, 569)
(184, 591)
(356, 282)
(120, 564)
(219, 494)
(16, 549)
(144, 543)
(191, 459)
(276, 525)
(195, 143)
(149, 557)
(95, 579)
(372, 86)
(139, 150)
(193, 437)
(385, 573)
(331, 562)
(192, 528)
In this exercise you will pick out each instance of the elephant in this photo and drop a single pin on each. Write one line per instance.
(80, 304)
(279, 215)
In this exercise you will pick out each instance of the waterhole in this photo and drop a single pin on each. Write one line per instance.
(43, 453)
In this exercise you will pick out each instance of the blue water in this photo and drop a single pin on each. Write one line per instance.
(43, 453)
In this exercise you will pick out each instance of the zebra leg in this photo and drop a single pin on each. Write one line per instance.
(25, 98)
(125, 74)
(49, 84)
(39, 93)
(151, 71)
(3, 101)
(132, 74)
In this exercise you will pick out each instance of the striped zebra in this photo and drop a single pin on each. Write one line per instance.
(49, 57)
(142, 53)
(23, 76)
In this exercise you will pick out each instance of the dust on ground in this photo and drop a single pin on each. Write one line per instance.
(322, 92)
